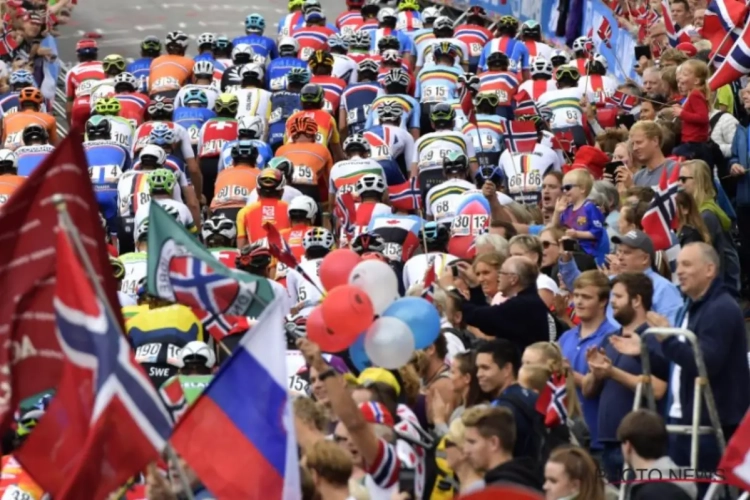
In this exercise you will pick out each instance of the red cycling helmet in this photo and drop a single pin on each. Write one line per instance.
(355, 3)
(86, 44)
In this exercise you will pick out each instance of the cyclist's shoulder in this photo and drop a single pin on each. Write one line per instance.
(134, 257)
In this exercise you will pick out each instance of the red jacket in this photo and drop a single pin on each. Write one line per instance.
(694, 116)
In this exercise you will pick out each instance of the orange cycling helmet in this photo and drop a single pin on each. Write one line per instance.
(31, 94)
(303, 125)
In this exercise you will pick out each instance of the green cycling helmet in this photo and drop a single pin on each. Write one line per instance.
(566, 71)
(442, 113)
(162, 179)
(455, 162)
(107, 106)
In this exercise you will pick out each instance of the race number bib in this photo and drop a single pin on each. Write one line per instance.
(327, 106)
(276, 115)
(469, 225)
(105, 174)
(303, 175)
(232, 193)
(194, 133)
(485, 141)
(435, 93)
(14, 140)
(525, 182)
(475, 49)
(393, 251)
(149, 353)
(166, 83)
(380, 152)
(278, 83)
(85, 88)
(305, 53)
(348, 30)
(433, 156)
(13, 492)
(441, 209)
(346, 188)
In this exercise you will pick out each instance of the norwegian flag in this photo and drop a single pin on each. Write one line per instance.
(406, 196)
(467, 105)
(564, 141)
(520, 136)
(657, 221)
(220, 325)
(525, 105)
(617, 8)
(736, 64)
(8, 44)
(624, 101)
(669, 24)
(347, 212)
(736, 459)
(428, 282)
(279, 248)
(605, 32)
(553, 401)
(723, 17)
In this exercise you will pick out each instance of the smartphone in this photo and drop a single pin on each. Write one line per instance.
(627, 120)
(570, 245)
(642, 51)
(610, 167)
(454, 271)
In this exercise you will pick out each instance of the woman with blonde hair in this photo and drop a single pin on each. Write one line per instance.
(571, 473)
(690, 225)
(549, 355)
(486, 267)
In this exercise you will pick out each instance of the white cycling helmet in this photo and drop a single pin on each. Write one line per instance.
(370, 182)
(542, 66)
(430, 13)
(252, 68)
(442, 23)
(242, 48)
(385, 13)
(177, 38)
(194, 351)
(128, 78)
(305, 204)
(206, 39)
(600, 59)
(581, 43)
(203, 68)
(154, 151)
(318, 237)
(560, 54)
(288, 45)
(220, 225)
(253, 124)
(357, 141)
(6, 155)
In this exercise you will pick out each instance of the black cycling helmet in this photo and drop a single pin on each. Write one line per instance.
(388, 42)
(34, 132)
(455, 162)
(498, 59)
(151, 46)
(368, 243)
(442, 115)
(254, 257)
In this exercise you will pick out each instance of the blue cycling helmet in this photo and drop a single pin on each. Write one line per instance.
(255, 22)
(338, 41)
(245, 148)
(491, 173)
(21, 76)
(196, 96)
(435, 234)
(298, 75)
(222, 43)
(161, 134)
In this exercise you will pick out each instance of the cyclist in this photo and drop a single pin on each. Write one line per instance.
(317, 242)
(280, 67)
(206, 43)
(443, 199)
(435, 237)
(285, 103)
(220, 236)
(531, 46)
(141, 67)
(196, 358)
(313, 35)
(9, 98)
(474, 34)
(113, 65)
(118, 272)
(487, 133)
(122, 130)
(234, 185)
(321, 65)
(409, 18)
(390, 59)
(9, 179)
(203, 79)
(241, 54)
(312, 161)
(358, 97)
(80, 80)
(582, 48)
(351, 19)
(256, 259)
(501, 82)
(507, 27)
(269, 208)
(400, 234)
(254, 100)
(370, 189)
(16, 482)
(135, 263)
(367, 244)
(345, 174)
(303, 211)
(438, 82)
(193, 114)
(222, 50)
(424, 34)
(443, 30)
(387, 19)
(541, 79)
(169, 72)
(161, 184)
(35, 149)
(264, 48)
(559, 57)
(133, 104)
(396, 84)
(359, 46)
(282, 164)
(293, 20)
(369, 24)
(214, 134)
(390, 144)
(344, 66)
(597, 81)
(312, 98)
(30, 100)
(565, 104)
(249, 128)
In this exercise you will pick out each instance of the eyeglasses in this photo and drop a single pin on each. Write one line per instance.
(568, 187)
(547, 244)
(684, 178)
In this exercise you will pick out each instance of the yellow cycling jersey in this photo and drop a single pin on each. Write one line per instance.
(145, 325)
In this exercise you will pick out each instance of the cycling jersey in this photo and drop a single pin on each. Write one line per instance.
(412, 112)
(143, 132)
(183, 214)
(524, 173)
(133, 191)
(293, 237)
(358, 56)
(487, 137)
(214, 134)
(431, 148)
(219, 66)
(416, 267)
(9, 103)
(425, 57)
(278, 69)
(443, 199)
(400, 233)
(393, 148)
(344, 67)
(328, 132)
(169, 73)
(535, 88)
(301, 290)
(355, 101)
(253, 102)
(348, 22)
(100, 89)
(14, 124)
(80, 79)
(363, 213)
(251, 218)
(332, 89)
(580, 63)
(107, 160)
(231, 79)
(16, 483)
(312, 166)
(405, 45)
(227, 256)
(501, 83)
(233, 186)
(30, 157)
(263, 47)
(369, 25)
(8, 184)
(288, 195)
(141, 68)
(595, 87)
(312, 38)
(565, 105)
(133, 107)
(437, 83)
(408, 21)
(212, 94)
(122, 131)
(283, 105)
(289, 22)
(475, 37)
(136, 268)
(526, 51)
(264, 154)
(192, 119)
(345, 174)
(504, 44)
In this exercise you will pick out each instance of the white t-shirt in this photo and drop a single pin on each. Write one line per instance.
(544, 282)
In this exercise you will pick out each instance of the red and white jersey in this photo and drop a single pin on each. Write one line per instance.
(595, 87)
(537, 49)
(358, 57)
(332, 89)
(287, 24)
(349, 21)
(474, 36)
(91, 72)
(580, 63)
(364, 212)
(503, 84)
(134, 106)
(214, 134)
(383, 473)
(408, 21)
(310, 39)
(226, 256)
(535, 88)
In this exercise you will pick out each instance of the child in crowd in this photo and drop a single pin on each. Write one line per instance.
(583, 220)
(692, 83)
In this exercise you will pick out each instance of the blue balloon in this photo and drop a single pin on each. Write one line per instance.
(421, 317)
(358, 355)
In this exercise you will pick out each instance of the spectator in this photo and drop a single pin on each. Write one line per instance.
(690, 225)
(466, 390)
(672, 58)
(470, 479)
(644, 441)
(622, 153)
(605, 196)
(435, 374)
(646, 139)
(631, 216)
(590, 296)
(610, 138)
(638, 193)
(669, 80)
(692, 80)
(652, 82)
(652, 106)
(551, 247)
(739, 164)
(492, 243)
(489, 442)
(331, 468)
(486, 267)
(524, 245)
(723, 130)
(583, 220)
(570, 472)
(503, 228)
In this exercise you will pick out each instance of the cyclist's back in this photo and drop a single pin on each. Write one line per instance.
(14, 124)
(169, 72)
(332, 87)
(253, 102)
(251, 218)
(16, 483)
(283, 105)
(416, 267)
(356, 101)
(174, 207)
(346, 173)
(328, 132)
(212, 94)
(8, 184)
(107, 160)
(30, 157)
(136, 268)
(264, 48)
(233, 186)
(442, 200)
(312, 166)
(565, 105)
(278, 69)
(264, 154)
(503, 84)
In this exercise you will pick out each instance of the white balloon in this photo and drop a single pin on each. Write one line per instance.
(389, 343)
(378, 281)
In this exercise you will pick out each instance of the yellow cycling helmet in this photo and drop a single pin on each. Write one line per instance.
(295, 4)
(107, 106)
(227, 102)
(118, 269)
(408, 5)
(321, 58)
(113, 61)
(567, 71)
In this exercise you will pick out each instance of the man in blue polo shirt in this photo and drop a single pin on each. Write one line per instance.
(590, 297)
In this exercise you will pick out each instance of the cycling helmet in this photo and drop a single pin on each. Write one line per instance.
(98, 127)
(442, 112)
(299, 76)
(537, 119)
(196, 96)
(288, 47)
(531, 28)
(442, 23)
(360, 40)
(161, 105)
(161, 134)
(567, 71)
(386, 13)
(455, 162)
(21, 77)
(367, 65)
(311, 5)
(397, 76)
(203, 68)
(470, 81)
(206, 39)
(311, 93)
(31, 94)
(303, 207)
(370, 182)
(391, 56)
(282, 164)
(161, 180)
(197, 353)
(582, 44)
(370, 7)
(242, 54)
(303, 125)
(317, 237)
(314, 14)
(559, 57)
(541, 66)
(498, 59)
(408, 5)
(435, 234)
(252, 71)
(338, 41)
(490, 173)
(429, 14)
(114, 62)
(255, 23)
(477, 11)
(296, 326)
(34, 132)
(388, 42)
(222, 44)
(390, 111)
(250, 127)
(227, 102)
(177, 38)
(486, 97)
(320, 58)
(107, 106)
(271, 179)
(118, 269)
(597, 59)
(254, 256)
(246, 150)
(8, 160)
(151, 44)
(87, 46)
(126, 79)
(219, 225)
(356, 142)
(368, 242)
(444, 49)
(27, 422)
(293, 4)
(151, 154)
(508, 23)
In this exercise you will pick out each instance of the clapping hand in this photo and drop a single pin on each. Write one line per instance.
(629, 343)
(599, 363)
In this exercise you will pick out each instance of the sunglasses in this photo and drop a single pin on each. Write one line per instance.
(568, 187)
(547, 244)
(684, 178)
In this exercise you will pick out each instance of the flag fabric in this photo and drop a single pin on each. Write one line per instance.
(564, 141)
(657, 221)
(736, 459)
(279, 248)
(736, 64)
(256, 450)
(428, 282)
(106, 421)
(553, 401)
(669, 24)
(467, 105)
(722, 17)
(406, 196)
(520, 136)
(525, 105)
(626, 102)
(182, 270)
(346, 211)
(605, 32)
(29, 265)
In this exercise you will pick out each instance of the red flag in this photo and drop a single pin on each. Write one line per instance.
(521, 136)
(28, 224)
(428, 282)
(736, 457)
(605, 32)
(525, 105)
(658, 219)
(346, 211)
(467, 105)
(723, 16)
(279, 247)
(553, 401)
(735, 65)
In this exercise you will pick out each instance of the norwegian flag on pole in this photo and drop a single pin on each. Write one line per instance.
(564, 141)
(657, 221)
(669, 24)
(605, 32)
(346, 210)
(467, 105)
(428, 282)
(406, 196)
(736, 64)
(553, 401)
(520, 136)
(106, 421)
(723, 17)
(525, 105)
(736, 460)
(624, 101)
(278, 246)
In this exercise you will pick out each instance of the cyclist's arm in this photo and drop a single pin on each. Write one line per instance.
(196, 176)
(191, 200)
(335, 144)
(241, 229)
(342, 120)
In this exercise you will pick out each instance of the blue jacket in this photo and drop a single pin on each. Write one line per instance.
(741, 155)
(717, 321)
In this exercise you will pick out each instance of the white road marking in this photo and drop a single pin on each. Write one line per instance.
(129, 59)
(213, 23)
(182, 25)
(124, 42)
(173, 6)
(197, 7)
(281, 11)
(149, 27)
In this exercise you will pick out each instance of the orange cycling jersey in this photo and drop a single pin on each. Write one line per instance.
(293, 236)
(16, 482)
(14, 124)
(312, 167)
(169, 73)
(8, 184)
(328, 132)
(251, 218)
(233, 186)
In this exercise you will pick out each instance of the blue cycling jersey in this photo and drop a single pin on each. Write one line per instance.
(107, 160)
(356, 100)
(265, 153)
(262, 45)
(412, 111)
(278, 69)
(192, 119)
(141, 68)
(406, 45)
(283, 105)
(30, 157)
(207, 56)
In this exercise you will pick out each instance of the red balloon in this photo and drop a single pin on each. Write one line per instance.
(316, 327)
(347, 312)
(336, 266)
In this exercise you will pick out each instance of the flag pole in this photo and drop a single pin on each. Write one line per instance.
(66, 224)
(716, 52)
